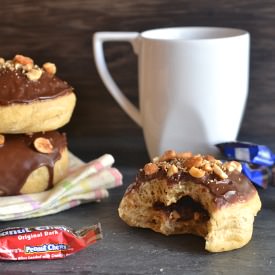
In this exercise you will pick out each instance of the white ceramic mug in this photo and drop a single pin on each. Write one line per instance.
(193, 85)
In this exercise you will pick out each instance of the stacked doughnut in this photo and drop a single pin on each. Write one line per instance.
(34, 103)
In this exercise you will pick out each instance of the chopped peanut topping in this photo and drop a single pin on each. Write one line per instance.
(43, 145)
(196, 172)
(218, 171)
(197, 166)
(34, 74)
(170, 154)
(23, 60)
(184, 155)
(49, 68)
(172, 170)
(26, 66)
(195, 161)
(207, 167)
(232, 165)
(155, 159)
(150, 168)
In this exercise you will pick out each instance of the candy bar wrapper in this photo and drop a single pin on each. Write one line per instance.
(259, 175)
(45, 242)
(257, 160)
(248, 152)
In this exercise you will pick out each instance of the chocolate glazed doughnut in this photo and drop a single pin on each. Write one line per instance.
(32, 163)
(33, 99)
(180, 193)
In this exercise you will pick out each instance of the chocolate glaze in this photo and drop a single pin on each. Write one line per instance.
(15, 87)
(18, 158)
(236, 187)
(186, 208)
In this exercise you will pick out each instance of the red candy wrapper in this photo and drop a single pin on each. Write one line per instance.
(45, 242)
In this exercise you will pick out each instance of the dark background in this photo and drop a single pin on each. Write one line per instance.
(61, 32)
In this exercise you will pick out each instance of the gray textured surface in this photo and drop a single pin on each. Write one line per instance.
(126, 250)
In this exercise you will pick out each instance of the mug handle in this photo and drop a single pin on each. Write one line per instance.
(98, 39)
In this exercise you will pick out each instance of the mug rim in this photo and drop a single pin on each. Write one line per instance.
(199, 33)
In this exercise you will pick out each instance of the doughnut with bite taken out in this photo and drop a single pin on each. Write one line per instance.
(182, 193)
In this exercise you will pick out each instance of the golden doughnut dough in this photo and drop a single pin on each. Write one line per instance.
(180, 193)
(37, 116)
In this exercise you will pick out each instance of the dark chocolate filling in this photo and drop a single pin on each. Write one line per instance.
(187, 209)
(15, 87)
(19, 158)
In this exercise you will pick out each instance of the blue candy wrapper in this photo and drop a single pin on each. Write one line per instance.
(259, 175)
(257, 160)
(248, 152)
